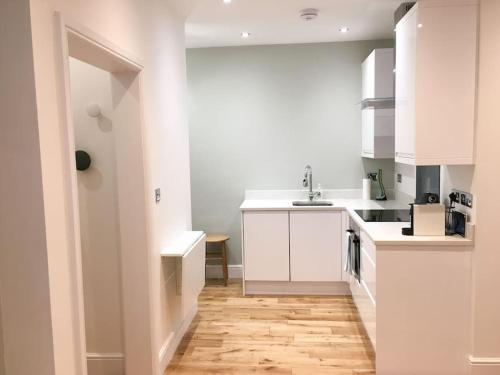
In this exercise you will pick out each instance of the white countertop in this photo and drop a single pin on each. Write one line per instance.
(382, 234)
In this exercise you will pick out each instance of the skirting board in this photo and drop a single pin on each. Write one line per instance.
(170, 345)
(105, 363)
(340, 288)
(234, 271)
(484, 366)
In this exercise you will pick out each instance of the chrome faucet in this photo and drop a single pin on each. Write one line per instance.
(307, 182)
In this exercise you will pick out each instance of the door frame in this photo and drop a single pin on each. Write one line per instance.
(84, 44)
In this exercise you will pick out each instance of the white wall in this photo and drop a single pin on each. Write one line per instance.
(486, 338)
(149, 30)
(99, 222)
(24, 286)
(259, 114)
(483, 180)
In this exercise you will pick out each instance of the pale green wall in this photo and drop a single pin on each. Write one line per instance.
(259, 114)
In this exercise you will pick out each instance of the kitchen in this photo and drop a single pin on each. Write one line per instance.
(249, 186)
(344, 226)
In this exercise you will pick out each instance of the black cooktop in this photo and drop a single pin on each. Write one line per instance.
(384, 215)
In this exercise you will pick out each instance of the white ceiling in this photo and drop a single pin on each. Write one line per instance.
(211, 23)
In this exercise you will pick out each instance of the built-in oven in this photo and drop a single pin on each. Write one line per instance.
(353, 259)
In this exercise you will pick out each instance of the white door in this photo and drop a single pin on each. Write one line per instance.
(406, 55)
(266, 249)
(315, 246)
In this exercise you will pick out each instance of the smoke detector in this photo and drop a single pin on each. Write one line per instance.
(309, 14)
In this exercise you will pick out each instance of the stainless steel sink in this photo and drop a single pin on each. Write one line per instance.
(312, 203)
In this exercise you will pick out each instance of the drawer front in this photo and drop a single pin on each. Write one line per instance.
(369, 246)
(368, 273)
(366, 309)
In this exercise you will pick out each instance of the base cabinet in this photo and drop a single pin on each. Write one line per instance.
(423, 310)
(414, 302)
(315, 246)
(293, 252)
(266, 246)
(364, 291)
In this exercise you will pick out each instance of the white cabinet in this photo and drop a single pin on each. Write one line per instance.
(377, 115)
(378, 75)
(315, 246)
(377, 133)
(266, 245)
(364, 291)
(436, 58)
(293, 252)
(191, 274)
(406, 54)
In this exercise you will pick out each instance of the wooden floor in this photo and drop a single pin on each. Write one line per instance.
(232, 334)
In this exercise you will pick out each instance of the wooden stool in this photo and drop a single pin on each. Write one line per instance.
(221, 257)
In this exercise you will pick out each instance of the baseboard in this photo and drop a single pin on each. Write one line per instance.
(340, 288)
(484, 365)
(170, 345)
(105, 363)
(104, 356)
(235, 271)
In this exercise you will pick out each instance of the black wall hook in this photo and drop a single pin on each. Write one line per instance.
(83, 160)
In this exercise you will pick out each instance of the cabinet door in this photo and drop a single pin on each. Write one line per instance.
(315, 246)
(384, 133)
(266, 246)
(368, 74)
(406, 54)
(368, 132)
(384, 73)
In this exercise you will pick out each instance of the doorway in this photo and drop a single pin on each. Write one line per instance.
(106, 177)
(94, 133)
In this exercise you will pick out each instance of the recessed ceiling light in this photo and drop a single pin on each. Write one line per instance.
(344, 29)
(227, 1)
(245, 34)
(420, 25)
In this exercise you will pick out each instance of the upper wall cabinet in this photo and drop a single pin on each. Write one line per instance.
(377, 115)
(436, 61)
(378, 75)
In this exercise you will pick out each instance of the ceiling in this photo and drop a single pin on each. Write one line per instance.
(211, 23)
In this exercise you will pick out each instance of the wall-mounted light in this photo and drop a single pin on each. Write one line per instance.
(245, 34)
(94, 110)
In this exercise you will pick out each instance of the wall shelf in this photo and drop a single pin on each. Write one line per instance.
(188, 251)
(182, 244)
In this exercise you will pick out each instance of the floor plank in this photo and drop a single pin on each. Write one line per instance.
(233, 334)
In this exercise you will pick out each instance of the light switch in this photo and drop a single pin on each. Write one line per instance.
(157, 195)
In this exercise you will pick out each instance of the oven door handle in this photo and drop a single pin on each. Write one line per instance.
(348, 258)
